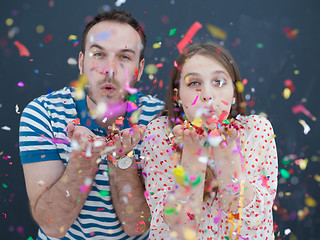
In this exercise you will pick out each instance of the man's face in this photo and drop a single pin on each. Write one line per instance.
(111, 61)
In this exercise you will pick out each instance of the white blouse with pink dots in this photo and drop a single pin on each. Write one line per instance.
(261, 170)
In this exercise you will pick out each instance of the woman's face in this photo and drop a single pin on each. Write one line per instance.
(206, 89)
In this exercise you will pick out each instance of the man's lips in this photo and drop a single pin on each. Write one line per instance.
(108, 88)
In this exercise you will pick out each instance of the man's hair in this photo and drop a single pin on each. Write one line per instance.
(119, 16)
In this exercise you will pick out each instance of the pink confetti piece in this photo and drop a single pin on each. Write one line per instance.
(195, 100)
(23, 51)
(222, 116)
(300, 108)
(177, 66)
(225, 103)
(189, 35)
(131, 106)
(20, 84)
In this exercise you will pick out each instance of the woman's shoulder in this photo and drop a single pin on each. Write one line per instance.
(253, 120)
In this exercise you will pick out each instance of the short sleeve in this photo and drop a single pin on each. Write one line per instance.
(36, 135)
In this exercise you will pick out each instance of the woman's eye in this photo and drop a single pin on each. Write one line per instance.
(220, 82)
(193, 84)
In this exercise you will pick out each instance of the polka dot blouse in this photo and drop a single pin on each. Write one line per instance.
(261, 168)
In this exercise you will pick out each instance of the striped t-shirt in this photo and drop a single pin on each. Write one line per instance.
(43, 137)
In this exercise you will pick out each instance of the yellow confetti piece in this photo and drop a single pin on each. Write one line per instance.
(9, 21)
(296, 72)
(303, 164)
(156, 45)
(189, 234)
(306, 127)
(40, 29)
(317, 177)
(151, 69)
(179, 175)
(61, 229)
(197, 122)
(286, 93)
(310, 202)
(72, 37)
(303, 213)
(240, 87)
(216, 32)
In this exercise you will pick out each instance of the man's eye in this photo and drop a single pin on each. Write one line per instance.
(124, 57)
(98, 54)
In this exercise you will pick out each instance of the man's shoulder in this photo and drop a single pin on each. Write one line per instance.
(63, 93)
(148, 100)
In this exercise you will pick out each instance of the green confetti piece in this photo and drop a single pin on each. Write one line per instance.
(226, 121)
(172, 31)
(226, 237)
(169, 211)
(284, 173)
(4, 185)
(259, 45)
(196, 182)
(285, 160)
(104, 193)
(206, 144)
(30, 238)
(159, 38)
(151, 193)
(132, 97)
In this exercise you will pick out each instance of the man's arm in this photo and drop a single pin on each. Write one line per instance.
(54, 190)
(127, 190)
(128, 199)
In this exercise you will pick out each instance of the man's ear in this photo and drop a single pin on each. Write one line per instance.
(141, 67)
(80, 62)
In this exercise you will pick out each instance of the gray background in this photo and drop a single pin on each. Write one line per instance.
(246, 22)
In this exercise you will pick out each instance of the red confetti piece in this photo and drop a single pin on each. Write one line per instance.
(23, 51)
(76, 121)
(141, 223)
(225, 103)
(189, 35)
(291, 34)
(289, 84)
(244, 81)
(48, 38)
(222, 116)
(177, 66)
(160, 84)
(159, 65)
(300, 108)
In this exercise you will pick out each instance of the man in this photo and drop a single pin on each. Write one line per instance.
(69, 185)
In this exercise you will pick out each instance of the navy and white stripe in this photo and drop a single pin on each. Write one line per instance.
(43, 138)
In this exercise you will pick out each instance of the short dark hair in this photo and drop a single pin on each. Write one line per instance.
(119, 16)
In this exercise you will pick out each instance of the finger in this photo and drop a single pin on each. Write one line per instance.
(126, 138)
(70, 129)
(135, 138)
(177, 130)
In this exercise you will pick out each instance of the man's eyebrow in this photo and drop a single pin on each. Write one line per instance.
(96, 46)
(127, 50)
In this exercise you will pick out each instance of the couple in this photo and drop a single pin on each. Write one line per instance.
(103, 161)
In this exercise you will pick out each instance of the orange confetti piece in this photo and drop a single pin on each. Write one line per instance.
(23, 51)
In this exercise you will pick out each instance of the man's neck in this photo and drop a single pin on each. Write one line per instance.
(101, 120)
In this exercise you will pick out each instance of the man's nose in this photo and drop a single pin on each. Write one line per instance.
(111, 66)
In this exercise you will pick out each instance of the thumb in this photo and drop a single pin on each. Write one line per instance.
(70, 129)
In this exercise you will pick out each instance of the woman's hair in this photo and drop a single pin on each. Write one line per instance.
(119, 16)
(223, 57)
(175, 111)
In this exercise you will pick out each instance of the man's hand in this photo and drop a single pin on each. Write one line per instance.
(127, 139)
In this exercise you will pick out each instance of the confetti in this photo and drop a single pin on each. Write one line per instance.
(310, 202)
(23, 51)
(289, 84)
(6, 128)
(286, 93)
(306, 127)
(48, 38)
(240, 87)
(189, 35)
(100, 36)
(17, 109)
(216, 32)
(291, 34)
(20, 84)
(284, 173)
(151, 69)
(40, 29)
(195, 100)
(300, 108)
(172, 31)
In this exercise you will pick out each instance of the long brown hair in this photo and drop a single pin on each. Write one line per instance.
(175, 111)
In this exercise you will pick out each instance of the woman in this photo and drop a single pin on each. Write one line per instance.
(217, 178)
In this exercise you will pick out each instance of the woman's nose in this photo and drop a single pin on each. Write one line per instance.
(206, 94)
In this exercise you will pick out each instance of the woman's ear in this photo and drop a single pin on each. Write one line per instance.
(176, 91)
